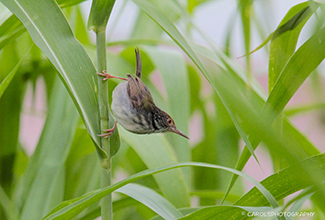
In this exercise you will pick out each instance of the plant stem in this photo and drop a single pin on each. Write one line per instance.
(106, 202)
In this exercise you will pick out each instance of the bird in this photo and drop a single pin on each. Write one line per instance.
(134, 107)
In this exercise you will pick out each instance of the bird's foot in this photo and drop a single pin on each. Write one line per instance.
(108, 76)
(109, 132)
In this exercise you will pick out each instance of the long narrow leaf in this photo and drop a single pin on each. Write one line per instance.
(155, 151)
(42, 186)
(71, 208)
(151, 199)
(9, 207)
(305, 60)
(66, 54)
(173, 32)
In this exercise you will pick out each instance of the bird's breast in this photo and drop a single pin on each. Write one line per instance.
(134, 120)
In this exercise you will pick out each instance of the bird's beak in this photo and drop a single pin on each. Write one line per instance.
(176, 131)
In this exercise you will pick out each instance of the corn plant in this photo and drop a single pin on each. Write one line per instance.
(75, 174)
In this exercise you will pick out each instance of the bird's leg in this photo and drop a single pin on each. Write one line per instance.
(108, 76)
(109, 131)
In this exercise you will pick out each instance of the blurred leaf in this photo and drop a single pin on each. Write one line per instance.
(225, 212)
(304, 195)
(184, 211)
(66, 54)
(282, 46)
(10, 29)
(82, 170)
(42, 186)
(195, 85)
(296, 136)
(21, 162)
(99, 14)
(292, 111)
(172, 31)
(151, 199)
(6, 81)
(132, 163)
(145, 25)
(10, 107)
(246, 10)
(154, 150)
(284, 39)
(305, 148)
(240, 82)
(67, 3)
(71, 208)
(285, 182)
(175, 80)
(11, 211)
(291, 150)
(214, 194)
(193, 4)
(219, 146)
(300, 65)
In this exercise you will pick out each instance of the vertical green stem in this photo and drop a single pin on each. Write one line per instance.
(106, 202)
(98, 18)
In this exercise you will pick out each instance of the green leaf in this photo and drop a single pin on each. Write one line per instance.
(78, 25)
(214, 194)
(82, 168)
(10, 30)
(305, 60)
(12, 27)
(246, 10)
(68, 209)
(10, 107)
(280, 185)
(154, 150)
(285, 182)
(99, 14)
(172, 31)
(225, 212)
(292, 111)
(305, 147)
(42, 186)
(284, 39)
(67, 3)
(176, 83)
(144, 24)
(66, 54)
(151, 199)
(6, 81)
(8, 206)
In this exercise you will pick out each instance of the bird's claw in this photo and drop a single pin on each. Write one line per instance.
(109, 131)
(104, 74)
(106, 135)
(109, 76)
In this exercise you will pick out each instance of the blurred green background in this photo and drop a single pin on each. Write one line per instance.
(198, 68)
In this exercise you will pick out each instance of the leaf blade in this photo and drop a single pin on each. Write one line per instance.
(151, 199)
(71, 208)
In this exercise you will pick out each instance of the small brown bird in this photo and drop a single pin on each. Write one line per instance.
(134, 108)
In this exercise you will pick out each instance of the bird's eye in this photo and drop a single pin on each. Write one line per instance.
(170, 122)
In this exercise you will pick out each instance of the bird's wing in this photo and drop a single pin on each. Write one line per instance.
(139, 94)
